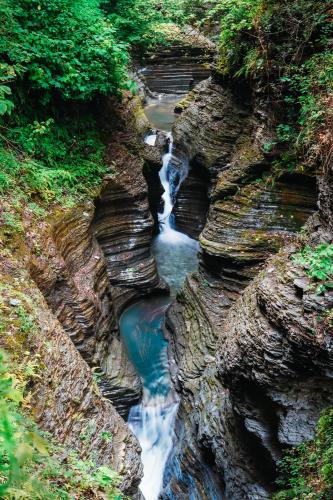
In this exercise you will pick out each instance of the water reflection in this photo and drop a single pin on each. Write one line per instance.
(160, 111)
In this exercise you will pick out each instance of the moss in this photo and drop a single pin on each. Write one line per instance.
(58, 472)
(307, 471)
(184, 103)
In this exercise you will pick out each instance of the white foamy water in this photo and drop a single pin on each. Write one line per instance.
(151, 139)
(153, 421)
(153, 424)
(164, 217)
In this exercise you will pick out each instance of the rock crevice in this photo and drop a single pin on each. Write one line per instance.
(247, 352)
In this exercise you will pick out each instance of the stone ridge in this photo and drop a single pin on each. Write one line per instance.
(64, 397)
(235, 425)
(213, 127)
(123, 224)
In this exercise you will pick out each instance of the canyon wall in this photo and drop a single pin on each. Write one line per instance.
(248, 339)
(64, 398)
(81, 266)
(96, 258)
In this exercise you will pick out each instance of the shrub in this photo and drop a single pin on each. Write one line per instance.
(62, 46)
(307, 471)
(318, 264)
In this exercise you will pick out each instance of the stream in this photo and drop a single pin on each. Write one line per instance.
(141, 324)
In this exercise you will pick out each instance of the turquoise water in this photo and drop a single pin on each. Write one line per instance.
(152, 421)
(141, 330)
(141, 324)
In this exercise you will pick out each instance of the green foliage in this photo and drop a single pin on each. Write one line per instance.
(63, 46)
(30, 465)
(318, 264)
(56, 56)
(48, 161)
(238, 52)
(6, 105)
(141, 23)
(286, 45)
(106, 436)
(7, 74)
(307, 471)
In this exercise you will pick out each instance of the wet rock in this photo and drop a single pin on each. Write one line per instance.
(210, 142)
(123, 224)
(151, 168)
(192, 203)
(67, 404)
(238, 421)
(176, 68)
(96, 258)
(64, 397)
(242, 231)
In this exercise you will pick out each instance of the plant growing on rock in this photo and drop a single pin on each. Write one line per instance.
(307, 471)
(34, 468)
(318, 265)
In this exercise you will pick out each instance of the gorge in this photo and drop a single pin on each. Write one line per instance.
(167, 258)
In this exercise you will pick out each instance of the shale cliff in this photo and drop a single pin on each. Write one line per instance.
(251, 346)
(64, 397)
(75, 271)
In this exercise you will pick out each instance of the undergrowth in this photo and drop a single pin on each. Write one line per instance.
(48, 160)
(318, 265)
(46, 163)
(286, 47)
(306, 472)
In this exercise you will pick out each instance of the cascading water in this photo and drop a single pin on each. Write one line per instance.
(175, 252)
(141, 327)
(153, 420)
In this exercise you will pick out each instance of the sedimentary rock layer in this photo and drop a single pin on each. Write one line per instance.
(192, 203)
(175, 69)
(236, 422)
(96, 258)
(215, 129)
(123, 224)
(65, 399)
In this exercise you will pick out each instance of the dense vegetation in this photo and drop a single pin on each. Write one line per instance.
(57, 56)
(32, 465)
(307, 471)
(59, 60)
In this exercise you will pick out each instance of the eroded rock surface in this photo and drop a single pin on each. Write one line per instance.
(123, 224)
(65, 400)
(175, 69)
(251, 355)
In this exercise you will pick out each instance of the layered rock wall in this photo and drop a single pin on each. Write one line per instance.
(96, 258)
(176, 68)
(64, 398)
(246, 361)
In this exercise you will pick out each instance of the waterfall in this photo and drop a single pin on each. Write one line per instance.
(153, 424)
(165, 216)
(150, 139)
(152, 421)
(173, 172)
(141, 327)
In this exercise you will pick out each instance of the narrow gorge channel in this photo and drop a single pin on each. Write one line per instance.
(166, 250)
(141, 324)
